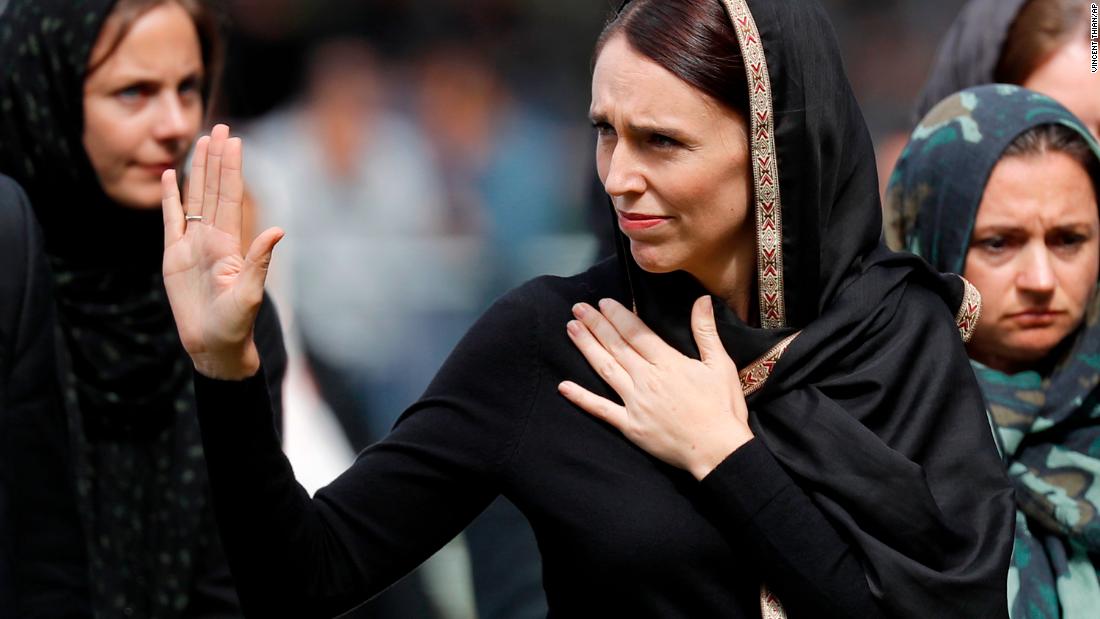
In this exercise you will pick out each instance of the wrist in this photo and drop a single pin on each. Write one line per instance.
(722, 449)
(237, 365)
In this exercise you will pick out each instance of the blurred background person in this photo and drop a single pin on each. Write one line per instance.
(353, 183)
(1042, 45)
(1000, 184)
(503, 161)
(354, 180)
(98, 99)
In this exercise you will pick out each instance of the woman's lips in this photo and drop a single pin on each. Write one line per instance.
(156, 169)
(639, 221)
(1035, 318)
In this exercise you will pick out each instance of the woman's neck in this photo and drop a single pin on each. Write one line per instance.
(733, 280)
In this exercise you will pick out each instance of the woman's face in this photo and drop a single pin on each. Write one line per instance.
(1065, 78)
(675, 163)
(1034, 257)
(142, 104)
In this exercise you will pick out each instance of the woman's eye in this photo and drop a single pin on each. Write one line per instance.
(993, 244)
(1068, 240)
(189, 86)
(663, 141)
(603, 129)
(130, 93)
(135, 93)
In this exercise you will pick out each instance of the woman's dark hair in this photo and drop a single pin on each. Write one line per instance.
(126, 12)
(692, 39)
(1040, 28)
(1057, 139)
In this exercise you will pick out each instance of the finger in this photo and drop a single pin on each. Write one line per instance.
(711, 350)
(213, 172)
(256, 264)
(197, 178)
(635, 332)
(609, 338)
(605, 365)
(594, 405)
(230, 198)
(171, 207)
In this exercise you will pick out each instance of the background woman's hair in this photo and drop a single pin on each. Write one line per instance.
(692, 39)
(1040, 28)
(1053, 138)
(126, 12)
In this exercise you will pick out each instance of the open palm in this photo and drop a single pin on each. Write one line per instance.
(214, 290)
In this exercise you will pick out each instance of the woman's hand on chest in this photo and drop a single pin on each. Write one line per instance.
(689, 413)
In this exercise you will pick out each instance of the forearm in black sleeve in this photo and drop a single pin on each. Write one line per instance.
(804, 561)
(402, 499)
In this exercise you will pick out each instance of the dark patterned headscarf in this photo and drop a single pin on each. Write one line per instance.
(141, 476)
(1048, 424)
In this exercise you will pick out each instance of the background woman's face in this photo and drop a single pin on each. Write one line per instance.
(1034, 257)
(675, 163)
(142, 104)
(1065, 77)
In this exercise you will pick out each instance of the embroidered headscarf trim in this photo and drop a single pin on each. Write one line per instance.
(765, 169)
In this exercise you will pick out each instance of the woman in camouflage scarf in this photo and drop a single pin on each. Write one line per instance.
(995, 185)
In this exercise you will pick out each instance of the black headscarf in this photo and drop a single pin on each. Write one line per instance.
(141, 476)
(871, 406)
(970, 51)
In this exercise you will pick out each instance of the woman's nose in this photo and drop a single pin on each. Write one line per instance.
(173, 119)
(1036, 274)
(623, 173)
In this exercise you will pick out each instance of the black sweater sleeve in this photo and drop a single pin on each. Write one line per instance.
(803, 559)
(401, 500)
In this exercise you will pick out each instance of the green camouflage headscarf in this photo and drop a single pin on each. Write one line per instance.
(1048, 426)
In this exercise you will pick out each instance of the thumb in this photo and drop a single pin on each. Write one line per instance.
(706, 332)
(257, 261)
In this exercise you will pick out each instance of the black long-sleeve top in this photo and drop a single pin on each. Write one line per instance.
(621, 533)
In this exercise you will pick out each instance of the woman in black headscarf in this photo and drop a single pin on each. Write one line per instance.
(98, 98)
(847, 469)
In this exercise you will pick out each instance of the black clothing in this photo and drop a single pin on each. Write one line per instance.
(873, 487)
(40, 536)
(621, 533)
(141, 482)
(848, 413)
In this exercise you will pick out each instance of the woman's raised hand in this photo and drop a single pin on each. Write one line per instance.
(690, 414)
(214, 290)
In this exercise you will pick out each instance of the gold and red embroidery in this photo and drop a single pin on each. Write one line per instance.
(769, 215)
(970, 311)
(770, 607)
(754, 376)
